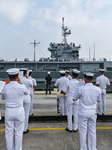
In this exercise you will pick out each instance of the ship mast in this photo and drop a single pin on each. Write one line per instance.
(65, 32)
(34, 44)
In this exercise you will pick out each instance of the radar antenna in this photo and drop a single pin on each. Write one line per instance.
(65, 32)
(34, 43)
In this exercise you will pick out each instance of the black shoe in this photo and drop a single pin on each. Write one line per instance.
(24, 132)
(75, 130)
(103, 114)
(68, 130)
(98, 114)
(31, 115)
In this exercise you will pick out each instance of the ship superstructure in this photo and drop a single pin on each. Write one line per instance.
(64, 56)
(64, 51)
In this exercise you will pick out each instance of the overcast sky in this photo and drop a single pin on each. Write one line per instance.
(23, 21)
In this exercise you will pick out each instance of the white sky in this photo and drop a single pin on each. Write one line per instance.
(23, 21)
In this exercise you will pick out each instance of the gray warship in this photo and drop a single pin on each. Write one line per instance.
(64, 56)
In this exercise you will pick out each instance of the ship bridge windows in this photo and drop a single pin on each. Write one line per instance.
(109, 68)
(1, 66)
(101, 65)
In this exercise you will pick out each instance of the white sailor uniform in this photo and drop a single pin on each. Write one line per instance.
(14, 114)
(68, 77)
(72, 106)
(26, 100)
(103, 83)
(32, 94)
(60, 83)
(88, 96)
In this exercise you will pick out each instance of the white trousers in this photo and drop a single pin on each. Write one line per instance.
(14, 125)
(31, 105)
(72, 110)
(102, 109)
(87, 125)
(27, 110)
(66, 105)
(0, 115)
(62, 105)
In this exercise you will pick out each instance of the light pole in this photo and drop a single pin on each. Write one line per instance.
(34, 44)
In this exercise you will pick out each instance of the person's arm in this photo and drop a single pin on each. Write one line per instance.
(25, 90)
(55, 85)
(51, 86)
(65, 88)
(76, 95)
(45, 78)
(99, 96)
(97, 82)
(35, 84)
(108, 84)
(3, 94)
(35, 87)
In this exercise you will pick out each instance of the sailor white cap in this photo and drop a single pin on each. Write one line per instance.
(102, 70)
(23, 69)
(29, 70)
(13, 71)
(89, 74)
(62, 72)
(75, 71)
(48, 72)
(67, 71)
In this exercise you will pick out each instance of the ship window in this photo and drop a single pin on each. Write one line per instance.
(109, 69)
(1, 66)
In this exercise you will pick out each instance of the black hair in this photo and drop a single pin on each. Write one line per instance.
(75, 75)
(24, 72)
(13, 77)
(30, 73)
(62, 74)
(89, 78)
(67, 72)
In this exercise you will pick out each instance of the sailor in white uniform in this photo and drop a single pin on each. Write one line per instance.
(67, 75)
(32, 90)
(60, 83)
(88, 96)
(13, 94)
(103, 83)
(27, 98)
(72, 106)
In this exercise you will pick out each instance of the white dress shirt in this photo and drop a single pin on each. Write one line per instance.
(13, 94)
(27, 82)
(33, 82)
(102, 81)
(88, 96)
(60, 83)
(71, 87)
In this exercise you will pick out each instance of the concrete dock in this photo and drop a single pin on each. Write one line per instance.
(52, 135)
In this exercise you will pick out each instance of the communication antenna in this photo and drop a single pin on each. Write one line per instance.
(89, 54)
(34, 44)
(94, 53)
(65, 32)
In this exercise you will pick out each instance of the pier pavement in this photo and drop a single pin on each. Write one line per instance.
(52, 135)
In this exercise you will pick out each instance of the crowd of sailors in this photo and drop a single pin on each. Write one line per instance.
(76, 97)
